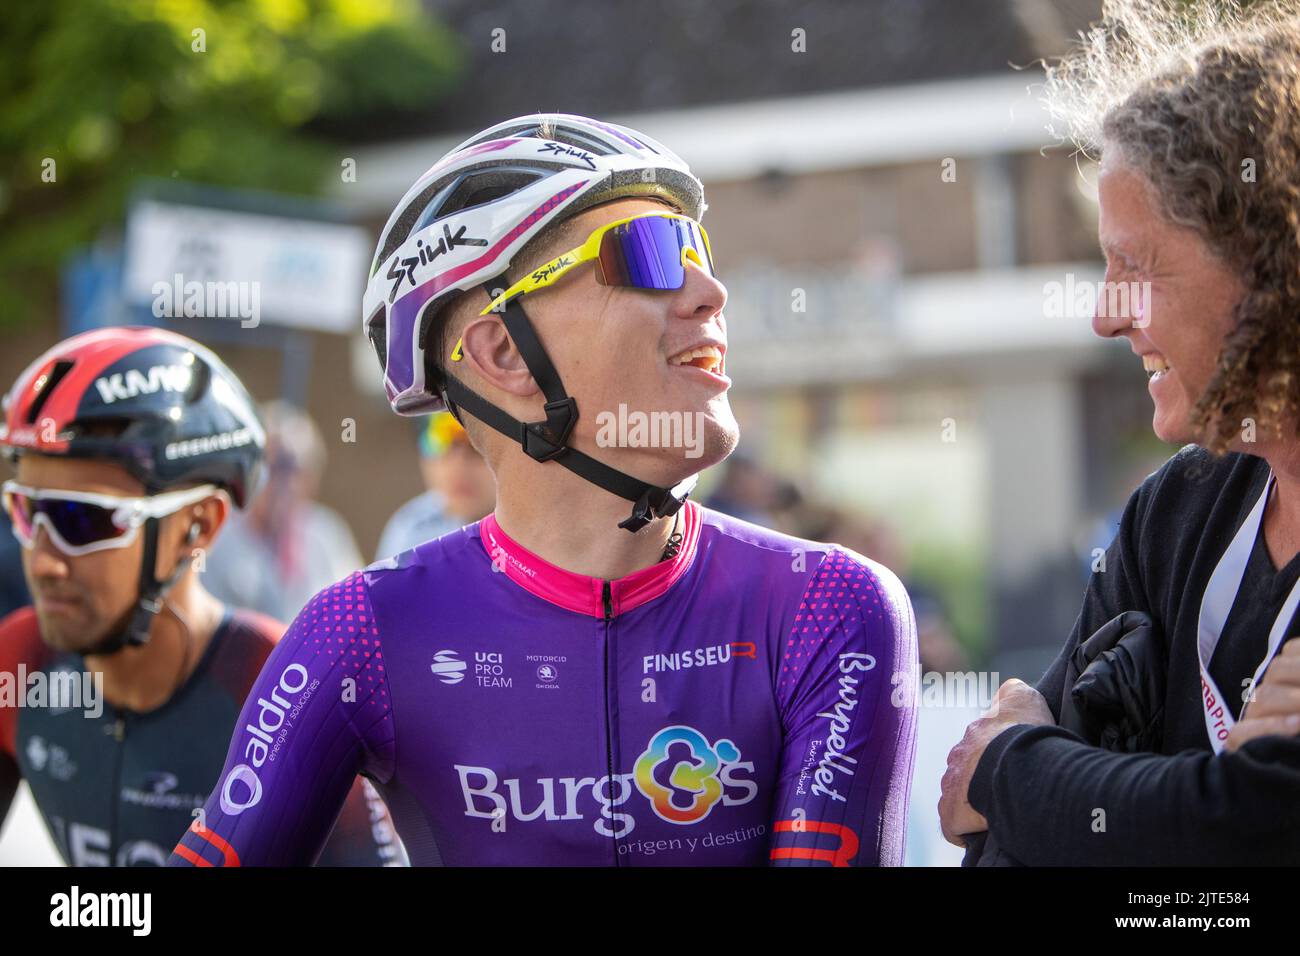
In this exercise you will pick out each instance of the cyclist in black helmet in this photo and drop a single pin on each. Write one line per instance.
(125, 676)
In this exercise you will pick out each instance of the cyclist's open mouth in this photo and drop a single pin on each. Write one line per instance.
(706, 357)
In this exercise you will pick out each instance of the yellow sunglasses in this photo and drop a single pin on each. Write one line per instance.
(646, 251)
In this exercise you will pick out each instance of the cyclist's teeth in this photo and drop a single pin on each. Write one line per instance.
(707, 357)
(1155, 363)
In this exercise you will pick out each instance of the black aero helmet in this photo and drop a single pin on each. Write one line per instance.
(161, 405)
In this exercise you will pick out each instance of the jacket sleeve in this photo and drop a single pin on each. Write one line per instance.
(1053, 800)
(318, 714)
(1115, 586)
(846, 692)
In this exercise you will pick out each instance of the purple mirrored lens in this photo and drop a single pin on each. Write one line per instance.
(647, 253)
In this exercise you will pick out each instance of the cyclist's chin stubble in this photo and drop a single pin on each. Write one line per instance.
(72, 632)
(96, 613)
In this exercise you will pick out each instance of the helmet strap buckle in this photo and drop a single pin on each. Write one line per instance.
(657, 503)
(548, 439)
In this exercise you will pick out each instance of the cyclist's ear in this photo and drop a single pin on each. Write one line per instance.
(195, 527)
(487, 351)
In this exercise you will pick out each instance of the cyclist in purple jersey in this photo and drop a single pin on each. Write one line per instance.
(543, 687)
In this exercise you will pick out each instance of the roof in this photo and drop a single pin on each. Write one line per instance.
(599, 57)
(792, 135)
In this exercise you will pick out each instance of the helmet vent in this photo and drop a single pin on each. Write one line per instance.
(111, 428)
(61, 368)
(582, 142)
(558, 134)
(377, 332)
(441, 198)
(198, 383)
(402, 228)
(477, 189)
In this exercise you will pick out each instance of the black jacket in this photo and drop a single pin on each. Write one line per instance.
(1131, 782)
(1113, 699)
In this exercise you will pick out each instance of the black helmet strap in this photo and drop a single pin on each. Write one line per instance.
(150, 599)
(547, 440)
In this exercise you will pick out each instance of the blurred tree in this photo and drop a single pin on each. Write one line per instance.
(95, 94)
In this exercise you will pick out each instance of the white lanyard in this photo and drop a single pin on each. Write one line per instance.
(1220, 594)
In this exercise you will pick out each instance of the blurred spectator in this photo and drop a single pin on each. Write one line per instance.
(787, 507)
(746, 491)
(459, 489)
(286, 546)
(13, 586)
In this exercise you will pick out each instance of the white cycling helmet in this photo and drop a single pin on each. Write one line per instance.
(465, 219)
(461, 224)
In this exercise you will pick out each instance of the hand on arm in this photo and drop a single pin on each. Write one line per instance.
(1274, 707)
(1014, 703)
(1049, 798)
(1116, 585)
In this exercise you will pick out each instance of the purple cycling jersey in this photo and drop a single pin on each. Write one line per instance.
(747, 701)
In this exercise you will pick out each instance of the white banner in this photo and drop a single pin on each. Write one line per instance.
(219, 263)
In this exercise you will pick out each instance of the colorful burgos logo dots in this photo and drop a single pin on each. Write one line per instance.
(694, 773)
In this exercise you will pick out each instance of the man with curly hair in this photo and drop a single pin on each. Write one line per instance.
(1166, 731)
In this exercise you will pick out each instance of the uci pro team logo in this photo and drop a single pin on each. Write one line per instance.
(693, 777)
(448, 667)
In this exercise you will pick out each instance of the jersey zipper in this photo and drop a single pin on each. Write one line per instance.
(608, 599)
(115, 797)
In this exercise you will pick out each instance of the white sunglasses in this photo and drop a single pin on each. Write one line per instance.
(82, 522)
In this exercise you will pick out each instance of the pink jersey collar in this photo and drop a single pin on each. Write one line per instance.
(583, 594)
